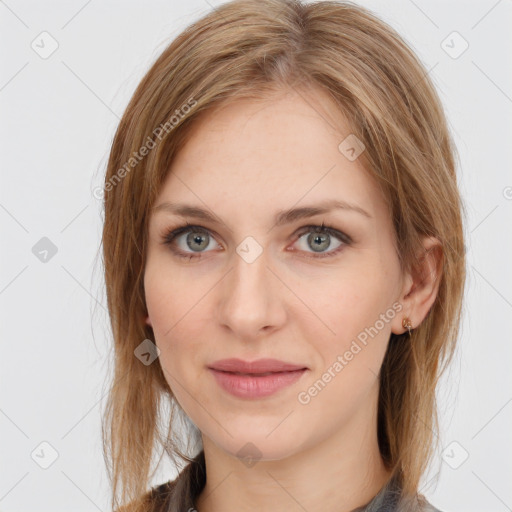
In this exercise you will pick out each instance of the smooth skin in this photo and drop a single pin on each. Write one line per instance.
(244, 164)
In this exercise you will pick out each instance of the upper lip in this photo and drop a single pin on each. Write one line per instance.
(257, 366)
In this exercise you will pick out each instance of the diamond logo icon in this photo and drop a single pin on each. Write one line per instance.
(351, 147)
(249, 454)
(455, 455)
(44, 250)
(249, 249)
(44, 45)
(454, 45)
(44, 455)
(147, 352)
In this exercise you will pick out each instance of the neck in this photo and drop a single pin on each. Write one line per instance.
(342, 473)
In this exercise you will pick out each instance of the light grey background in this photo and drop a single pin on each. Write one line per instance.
(58, 117)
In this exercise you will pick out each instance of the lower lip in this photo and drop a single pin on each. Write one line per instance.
(251, 386)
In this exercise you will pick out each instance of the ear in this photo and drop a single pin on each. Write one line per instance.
(420, 287)
(148, 321)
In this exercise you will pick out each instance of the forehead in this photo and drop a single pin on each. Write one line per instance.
(270, 154)
(277, 120)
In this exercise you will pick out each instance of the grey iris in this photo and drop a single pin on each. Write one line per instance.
(197, 237)
(318, 239)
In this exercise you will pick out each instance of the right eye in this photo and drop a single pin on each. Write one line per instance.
(196, 241)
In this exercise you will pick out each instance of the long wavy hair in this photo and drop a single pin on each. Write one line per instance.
(251, 49)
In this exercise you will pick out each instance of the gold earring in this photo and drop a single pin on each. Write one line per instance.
(406, 324)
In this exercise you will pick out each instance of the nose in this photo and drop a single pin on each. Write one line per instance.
(251, 299)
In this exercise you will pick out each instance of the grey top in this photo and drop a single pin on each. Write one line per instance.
(191, 480)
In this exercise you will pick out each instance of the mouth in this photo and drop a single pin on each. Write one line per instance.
(253, 386)
(257, 374)
(255, 368)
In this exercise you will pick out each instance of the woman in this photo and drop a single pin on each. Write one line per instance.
(284, 262)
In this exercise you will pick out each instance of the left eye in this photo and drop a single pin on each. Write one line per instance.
(198, 239)
(320, 237)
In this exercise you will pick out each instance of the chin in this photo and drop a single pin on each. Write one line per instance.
(251, 445)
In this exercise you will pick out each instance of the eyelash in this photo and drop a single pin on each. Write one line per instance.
(170, 236)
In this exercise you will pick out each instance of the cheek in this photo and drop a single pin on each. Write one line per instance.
(176, 309)
(352, 316)
(170, 296)
(350, 348)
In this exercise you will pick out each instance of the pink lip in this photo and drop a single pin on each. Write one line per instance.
(256, 379)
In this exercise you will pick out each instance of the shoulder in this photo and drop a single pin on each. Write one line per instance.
(159, 497)
(425, 506)
(178, 495)
(393, 499)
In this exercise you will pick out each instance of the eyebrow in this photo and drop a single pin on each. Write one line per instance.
(282, 217)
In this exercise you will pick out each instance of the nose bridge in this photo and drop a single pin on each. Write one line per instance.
(250, 298)
(250, 271)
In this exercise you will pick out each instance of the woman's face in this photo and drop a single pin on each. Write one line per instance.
(260, 284)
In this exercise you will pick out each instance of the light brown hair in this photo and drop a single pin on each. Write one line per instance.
(250, 49)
